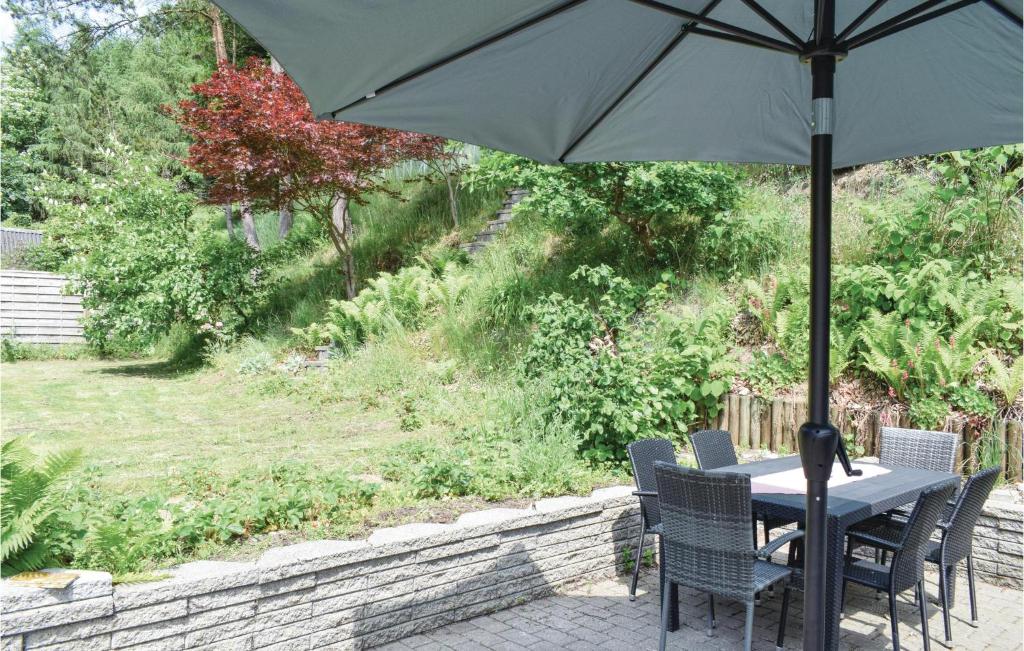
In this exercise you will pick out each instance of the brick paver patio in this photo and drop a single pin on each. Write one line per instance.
(600, 616)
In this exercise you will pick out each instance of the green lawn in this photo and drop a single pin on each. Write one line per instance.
(139, 424)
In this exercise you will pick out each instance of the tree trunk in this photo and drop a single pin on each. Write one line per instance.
(285, 220)
(229, 220)
(453, 198)
(641, 230)
(249, 226)
(220, 49)
(341, 235)
(285, 217)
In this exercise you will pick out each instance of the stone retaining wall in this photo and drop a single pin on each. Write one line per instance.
(337, 594)
(399, 582)
(999, 541)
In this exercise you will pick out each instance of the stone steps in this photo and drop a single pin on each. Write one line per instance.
(495, 226)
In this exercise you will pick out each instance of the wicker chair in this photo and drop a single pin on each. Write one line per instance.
(642, 455)
(956, 543)
(704, 518)
(714, 449)
(909, 549)
(916, 448)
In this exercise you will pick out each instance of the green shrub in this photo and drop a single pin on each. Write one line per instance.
(605, 381)
(929, 413)
(15, 351)
(126, 535)
(742, 242)
(972, 213)
(143, 263)
(782, 307)
(663, 206)
(29, 500)
(768, 373)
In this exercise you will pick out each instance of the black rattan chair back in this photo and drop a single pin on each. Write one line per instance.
(713, 449)
(642, 455)
(908, 563)
(960, 528)
(916, 448)
(706, 530)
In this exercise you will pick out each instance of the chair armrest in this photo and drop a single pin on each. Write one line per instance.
(645, 493)
(874, 541)
(766, 552)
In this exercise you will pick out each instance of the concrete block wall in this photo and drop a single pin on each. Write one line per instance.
(399, 582)
(337, 594)
(999, 541)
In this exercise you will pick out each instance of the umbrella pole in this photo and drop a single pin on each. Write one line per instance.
(818, 439)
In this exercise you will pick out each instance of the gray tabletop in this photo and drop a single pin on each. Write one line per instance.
(850, 502)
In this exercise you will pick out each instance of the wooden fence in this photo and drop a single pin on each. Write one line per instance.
(34, 309)
(773, 424)
(15, 239)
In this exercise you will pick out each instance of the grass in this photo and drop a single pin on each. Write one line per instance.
(140, 424)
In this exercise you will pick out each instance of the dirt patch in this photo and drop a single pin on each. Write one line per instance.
(442, 512)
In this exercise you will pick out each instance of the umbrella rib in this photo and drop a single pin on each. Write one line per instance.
(885, 26)
(859, 20)
(873, 35)
(755, 37)
(711, 33)
(1005, 12)
(686, 29)
(770, 18)
(511, 31)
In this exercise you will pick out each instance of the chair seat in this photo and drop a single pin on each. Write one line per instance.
(880, 527)
(766, 574)
(892, 530)
(868, 573)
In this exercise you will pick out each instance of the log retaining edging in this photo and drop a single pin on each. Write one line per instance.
(773, 424)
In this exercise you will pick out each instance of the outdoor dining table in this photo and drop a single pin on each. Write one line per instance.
(777, 491)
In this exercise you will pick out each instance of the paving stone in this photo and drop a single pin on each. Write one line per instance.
(598, 615)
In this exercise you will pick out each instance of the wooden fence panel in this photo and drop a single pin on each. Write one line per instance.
(34, 309)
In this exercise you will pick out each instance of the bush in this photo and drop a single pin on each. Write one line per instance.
(143, 263)
(742, 242)
(663, 206)
(782, 307)
(127, 535)
(970, 214)
(609, 384)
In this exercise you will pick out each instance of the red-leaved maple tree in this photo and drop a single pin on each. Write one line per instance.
(255, 137)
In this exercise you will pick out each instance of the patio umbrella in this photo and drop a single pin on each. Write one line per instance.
(714, 80)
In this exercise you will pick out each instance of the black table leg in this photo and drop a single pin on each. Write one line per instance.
(834, 582)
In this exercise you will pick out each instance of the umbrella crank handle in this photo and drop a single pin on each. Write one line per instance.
(819, 444)
(844, 460)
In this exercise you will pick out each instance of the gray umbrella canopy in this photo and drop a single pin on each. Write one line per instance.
(602, 80)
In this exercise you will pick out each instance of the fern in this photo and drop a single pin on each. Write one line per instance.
(1009, 381)
(28, 488)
